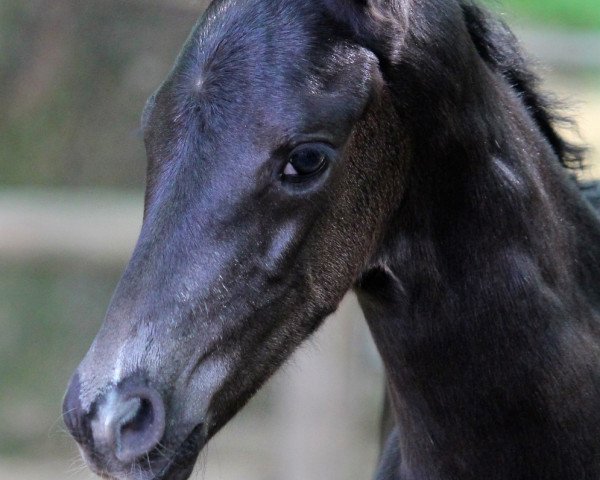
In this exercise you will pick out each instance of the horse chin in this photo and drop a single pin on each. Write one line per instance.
(177, 467)
(177, 472)
(181, 465)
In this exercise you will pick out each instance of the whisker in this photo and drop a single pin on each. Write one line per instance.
(76, 466)
(56, 423)
(149, 465)
(165, 448)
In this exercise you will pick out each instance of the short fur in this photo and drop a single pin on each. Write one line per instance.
(442, 200)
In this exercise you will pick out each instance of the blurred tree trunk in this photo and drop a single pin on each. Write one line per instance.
(51, 39)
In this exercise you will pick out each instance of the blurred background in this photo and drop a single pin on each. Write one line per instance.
(74, 76)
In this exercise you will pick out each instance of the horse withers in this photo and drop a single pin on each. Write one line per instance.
(300, 149)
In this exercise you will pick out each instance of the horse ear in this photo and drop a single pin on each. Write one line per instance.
(353, 13)
(378, 24)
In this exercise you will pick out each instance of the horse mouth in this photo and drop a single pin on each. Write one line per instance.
(181, 464)
(177, 467)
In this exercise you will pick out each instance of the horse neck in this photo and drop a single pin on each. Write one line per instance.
(479, 299)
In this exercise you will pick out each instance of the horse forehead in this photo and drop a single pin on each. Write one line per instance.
(264, 42)
(253, 67)
(235, 54)
(236, 29)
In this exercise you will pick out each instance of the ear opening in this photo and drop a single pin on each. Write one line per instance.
(352, 13)
(379, 25)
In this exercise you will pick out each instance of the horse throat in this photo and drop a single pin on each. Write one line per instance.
(478, 304)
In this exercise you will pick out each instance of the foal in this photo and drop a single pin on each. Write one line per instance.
(299, 149)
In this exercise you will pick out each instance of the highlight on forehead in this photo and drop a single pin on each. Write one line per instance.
(265, 60)
(254, 34)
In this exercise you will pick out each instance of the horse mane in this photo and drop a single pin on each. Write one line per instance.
(500, 49)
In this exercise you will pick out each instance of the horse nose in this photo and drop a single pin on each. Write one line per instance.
(73, 414)
(129, 422)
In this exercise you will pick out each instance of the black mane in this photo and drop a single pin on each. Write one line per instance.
(500, 49)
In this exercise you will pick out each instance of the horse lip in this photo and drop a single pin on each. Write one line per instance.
(181, 464)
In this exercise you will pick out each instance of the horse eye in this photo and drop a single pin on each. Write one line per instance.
(304, 162)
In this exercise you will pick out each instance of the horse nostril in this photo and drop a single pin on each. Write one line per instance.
(130, 422)
(142, 432)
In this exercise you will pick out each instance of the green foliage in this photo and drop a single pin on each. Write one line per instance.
(583, 14)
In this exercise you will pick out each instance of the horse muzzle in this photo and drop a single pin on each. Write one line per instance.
(123, 429)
